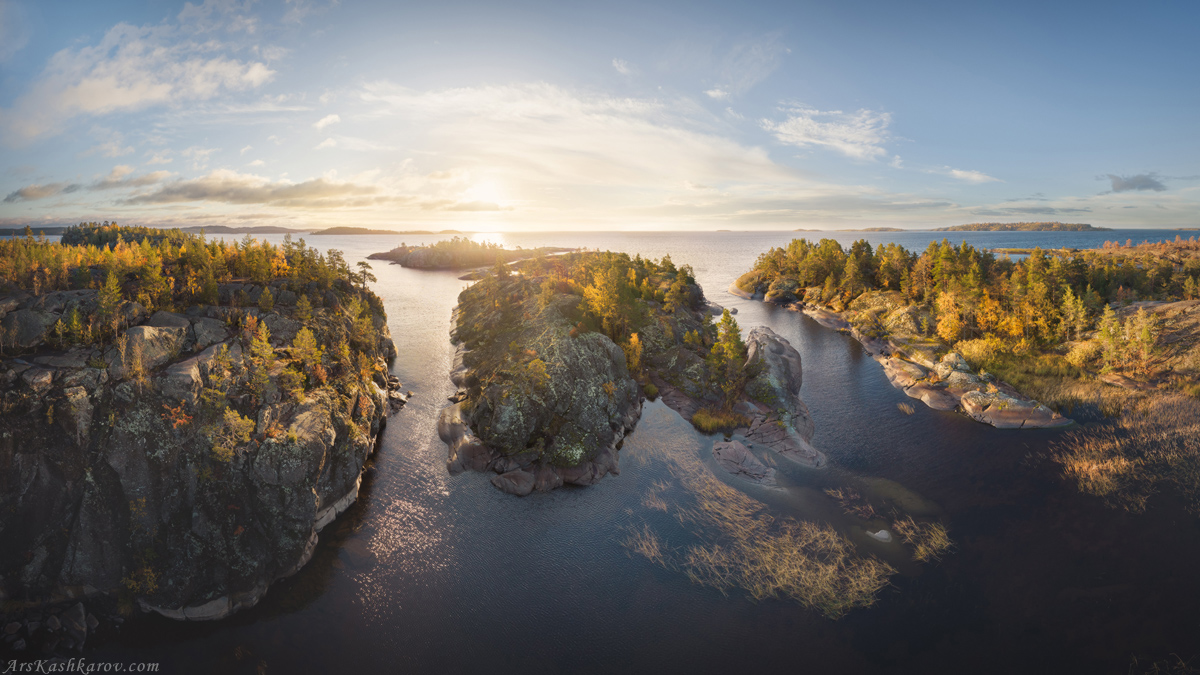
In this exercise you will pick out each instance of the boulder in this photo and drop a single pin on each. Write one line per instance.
(902, 374)
(209, 331)
(737, 459)
(517, 482)
(28, 327)
(1004, 411)
(826, 318)
(162, 319)
(882, 535)
(546, 479)
(38, 379)
(156, 346)
(933, 396)
(283, 330)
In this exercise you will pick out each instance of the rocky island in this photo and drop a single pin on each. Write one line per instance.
(180, 417)
(553, 365)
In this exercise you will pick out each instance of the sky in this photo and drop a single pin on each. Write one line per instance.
(599, 115)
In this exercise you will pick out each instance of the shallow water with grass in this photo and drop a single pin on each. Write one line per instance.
(675, 566)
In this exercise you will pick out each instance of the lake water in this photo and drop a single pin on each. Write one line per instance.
(434, 573)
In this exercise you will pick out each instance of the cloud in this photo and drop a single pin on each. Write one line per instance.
(327, 143)
(246, 149)
(326, 121)
(1138, 182)
(214, 15)
(257, 162)
(860, 135)
(199, 156)
(120, 177)
(34, 192)
(546, 137)
(747, 63)
(229, 187)
(109, 149)
(14, 30)
(160, 158)
(719, 94)
(132, 68)
(1030, 211)
(622, 66)
(973, 177)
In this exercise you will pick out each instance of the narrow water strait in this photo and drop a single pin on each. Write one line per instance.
(434, 573)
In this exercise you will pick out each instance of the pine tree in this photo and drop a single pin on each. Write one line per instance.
(304, 310)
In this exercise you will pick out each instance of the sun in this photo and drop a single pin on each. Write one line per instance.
(485, 191)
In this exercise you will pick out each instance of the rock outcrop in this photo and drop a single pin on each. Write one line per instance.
(116, 473)
(559, 419)
(779, 419)
(913, 366)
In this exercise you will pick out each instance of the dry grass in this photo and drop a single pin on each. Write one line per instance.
(710, 421)
(645, 542)
(852, 503)
(906, 408)
(929, 540)
(1154, 444)
(1173, 665)
(745, 547)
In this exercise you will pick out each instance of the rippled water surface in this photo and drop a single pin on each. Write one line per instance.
(434, 573)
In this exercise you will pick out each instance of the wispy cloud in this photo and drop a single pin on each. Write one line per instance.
(325, 144)
(34, 192)
(622, 66)
(860, 134)
(966, 176)
(121, 177)
(163, 157)
(749, 62)
(109, 149)
(1137, 182)
(229, 187)
(326, 121)
(719, 94)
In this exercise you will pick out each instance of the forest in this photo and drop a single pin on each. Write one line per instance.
(160, 269)
(993, 307)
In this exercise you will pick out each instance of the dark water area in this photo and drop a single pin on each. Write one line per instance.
(429, 572)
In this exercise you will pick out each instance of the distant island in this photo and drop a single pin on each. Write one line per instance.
(459, 253)
(1023, 227)
(366, 230)
(32, 231)
(240, 229)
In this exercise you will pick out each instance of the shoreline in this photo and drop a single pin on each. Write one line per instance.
(948, 384)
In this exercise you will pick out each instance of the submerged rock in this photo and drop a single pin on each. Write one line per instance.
(516, 482)
(737, 459)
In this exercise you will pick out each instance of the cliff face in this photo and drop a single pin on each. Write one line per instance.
(183, 465)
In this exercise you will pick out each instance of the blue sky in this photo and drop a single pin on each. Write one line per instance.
(608, 115)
